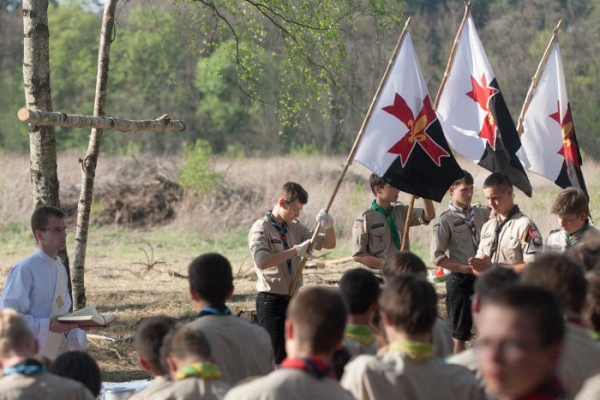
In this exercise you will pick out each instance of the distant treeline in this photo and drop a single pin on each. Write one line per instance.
(158, 66)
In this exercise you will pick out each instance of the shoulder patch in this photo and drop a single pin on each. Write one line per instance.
(256, 235)
(435, 229)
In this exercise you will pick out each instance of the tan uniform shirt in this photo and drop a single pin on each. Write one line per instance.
(192, 389)
(468, 359)
(148, 393)
(264, 240)
(580, 359)
(559, 241)
(289, 384)
(590, 390)
(519, 241)
(43, 386)
(371, 232)
(240, 349)
(452, 236)
(395, 376)
(442, 338)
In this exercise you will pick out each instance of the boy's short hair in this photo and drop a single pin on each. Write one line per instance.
(185, 342)
(410, 303)
(81, 367)
(539, 306)
(467, 179)
(360, 289)
(570, 201)
(376, 181)
(292, 191)
(210, 276)
(495, 279)
(16, 339)
(149, 338)
(591, 310)
(403, 262)
(498, 179)
(587, 252)
(39, 218)
(560, 274)
(319, 316)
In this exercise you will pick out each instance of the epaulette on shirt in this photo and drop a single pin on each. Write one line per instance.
(554, 231)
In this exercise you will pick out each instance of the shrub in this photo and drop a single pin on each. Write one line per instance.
(197, 174)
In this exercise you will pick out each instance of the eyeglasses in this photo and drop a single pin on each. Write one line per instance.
(510, 348)
(57, 230)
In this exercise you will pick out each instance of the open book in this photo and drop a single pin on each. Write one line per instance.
(88, 316)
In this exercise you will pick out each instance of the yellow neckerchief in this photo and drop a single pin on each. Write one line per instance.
(361, 333)
(203, 370)
(419, 352)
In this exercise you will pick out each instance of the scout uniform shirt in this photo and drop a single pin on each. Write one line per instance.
(191, 389)
(265, 239)
(517, 242)
(371, 231)
(590, 390)
(580, 358)
(559, 241)
(454, 234)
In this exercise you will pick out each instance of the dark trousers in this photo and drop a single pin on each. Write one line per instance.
(459, 289)
(270, 311)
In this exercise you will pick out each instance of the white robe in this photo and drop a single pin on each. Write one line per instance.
(30, 290)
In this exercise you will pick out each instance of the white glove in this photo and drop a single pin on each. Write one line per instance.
(325, 219)
(302, 250)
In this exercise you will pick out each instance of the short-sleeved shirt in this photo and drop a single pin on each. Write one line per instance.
(264, 239)
(371, 231)
(518, 242)
(395, 376)
(452, 236)
(559, 241)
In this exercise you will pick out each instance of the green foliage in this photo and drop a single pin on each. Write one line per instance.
(14, 134)
(305, 150)
(197, 174)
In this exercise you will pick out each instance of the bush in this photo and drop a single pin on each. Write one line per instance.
(197, 174)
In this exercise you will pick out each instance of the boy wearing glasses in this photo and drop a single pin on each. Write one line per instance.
(38, 288)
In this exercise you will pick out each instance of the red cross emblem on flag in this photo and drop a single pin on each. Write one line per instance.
(569, 149)
(481, 94)
(417, 130)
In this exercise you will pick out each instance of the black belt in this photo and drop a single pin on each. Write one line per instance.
(276, 295)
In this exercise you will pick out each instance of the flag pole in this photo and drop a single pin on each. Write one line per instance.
(407, 222)
(353, 151)
(536, 76)
(452, 53)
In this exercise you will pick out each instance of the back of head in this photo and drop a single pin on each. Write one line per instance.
(291, 192)
(360, 289)
(467, 179)
(536, 305)
(591, 310)
(81, 367)
(587, 252)
(410, 303)
(499, 180)
(149, 338)
(210, 276)
(570, 201)
(494, 279)
(39, 218)
(560, 274)
(319, 317)
(16, 339)
(185, 343)
(401, 263)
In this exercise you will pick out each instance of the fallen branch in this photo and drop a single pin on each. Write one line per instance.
(163, 123)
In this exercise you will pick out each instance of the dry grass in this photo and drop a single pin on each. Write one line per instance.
(117, 283)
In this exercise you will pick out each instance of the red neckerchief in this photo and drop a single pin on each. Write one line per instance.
(575, 319)
(314, 366)
(550, 390)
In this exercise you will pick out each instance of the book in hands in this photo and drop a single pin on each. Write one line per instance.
(88, 317)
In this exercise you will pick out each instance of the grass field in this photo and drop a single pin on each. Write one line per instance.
(118, 279)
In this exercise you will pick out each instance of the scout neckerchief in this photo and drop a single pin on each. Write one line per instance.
(595, 335)
(220, 309)
(419, 352)
(388, 214)
(202, 370)
(284, 238)
(570, 240)
(550, 390)
(361, 333)
(27, 367)
(314, 366)
(498, 229)
(574, 319)
(469, 221)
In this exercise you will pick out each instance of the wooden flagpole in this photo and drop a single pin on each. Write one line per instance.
(361, 133)
(452, 54)
(536, 76)
(407, 222)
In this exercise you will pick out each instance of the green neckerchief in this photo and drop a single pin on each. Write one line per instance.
(419, 352)
(595, 335)
(203, 370)
(361, 333)
(388, 213)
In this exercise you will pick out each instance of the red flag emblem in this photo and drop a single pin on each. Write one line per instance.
(569, 149)
(481, 94)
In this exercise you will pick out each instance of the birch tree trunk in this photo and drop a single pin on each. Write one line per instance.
(88, 165)
(36, 79)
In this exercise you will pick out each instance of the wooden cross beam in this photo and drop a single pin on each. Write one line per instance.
(163, 123)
